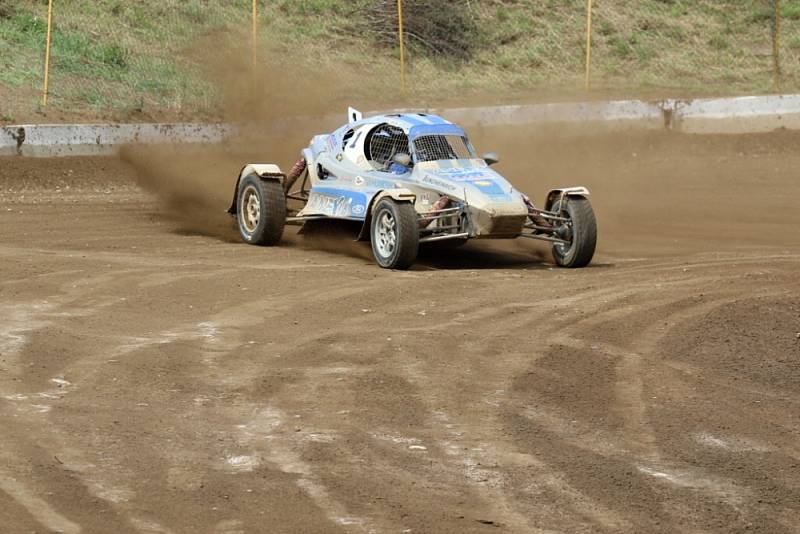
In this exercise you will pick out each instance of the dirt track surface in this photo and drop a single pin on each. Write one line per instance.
(159, 377)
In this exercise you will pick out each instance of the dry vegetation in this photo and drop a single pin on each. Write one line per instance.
(142, 57)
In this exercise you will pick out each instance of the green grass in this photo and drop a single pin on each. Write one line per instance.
(151, 55)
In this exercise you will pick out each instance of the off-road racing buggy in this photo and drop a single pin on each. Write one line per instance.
(407, 179)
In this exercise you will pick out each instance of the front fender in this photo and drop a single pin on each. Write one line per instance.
(399, 194)
(557, 194)
(265, 171)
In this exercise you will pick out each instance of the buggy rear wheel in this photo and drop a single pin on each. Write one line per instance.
(581, 230)
(394, 233)
(261, 211)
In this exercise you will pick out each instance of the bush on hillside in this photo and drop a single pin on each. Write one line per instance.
(438, 28)
(6, 9)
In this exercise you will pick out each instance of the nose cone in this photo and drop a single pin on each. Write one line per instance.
(481, 181)
(470, 180)
(496, 208)
(481, 186)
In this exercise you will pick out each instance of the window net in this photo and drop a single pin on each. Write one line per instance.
(386, 141)
(436, 147)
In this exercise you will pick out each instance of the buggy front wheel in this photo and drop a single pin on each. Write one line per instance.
(394, 233)
(580, 229)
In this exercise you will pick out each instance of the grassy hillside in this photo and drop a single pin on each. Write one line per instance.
(151, 56)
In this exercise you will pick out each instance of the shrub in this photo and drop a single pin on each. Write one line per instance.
(439, 28)
(6, 9)
(114, 55)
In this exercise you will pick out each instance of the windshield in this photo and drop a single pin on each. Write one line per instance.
(436, 147)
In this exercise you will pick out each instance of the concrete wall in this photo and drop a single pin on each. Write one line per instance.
(707, 116)
(610, 116)
(750, 114)
(50, 140)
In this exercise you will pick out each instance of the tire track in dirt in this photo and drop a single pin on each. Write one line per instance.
(418, 376)
(482, 439)
(600, 298)
(88, 367)
(630, 398)
(38, 508)
(483, 316)
(239, 317)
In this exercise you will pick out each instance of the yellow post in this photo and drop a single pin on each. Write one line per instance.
(402, 46)
(46, 87)
(776, 47)
(255, 36)
(588, 81)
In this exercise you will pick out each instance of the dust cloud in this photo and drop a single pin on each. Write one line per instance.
(664, 192)
(658, 191)
(196, 183)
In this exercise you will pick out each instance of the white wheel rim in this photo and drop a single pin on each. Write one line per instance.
(562, 248)
(386, 234)
(251, 209)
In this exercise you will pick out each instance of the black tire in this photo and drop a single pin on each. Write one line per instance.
(261, 211)
(394, 233)
(583, 230)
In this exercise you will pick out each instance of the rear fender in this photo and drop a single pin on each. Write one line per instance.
(558, 194)
(398, 195)
(264, 171)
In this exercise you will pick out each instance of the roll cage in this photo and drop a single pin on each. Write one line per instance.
(385, 141)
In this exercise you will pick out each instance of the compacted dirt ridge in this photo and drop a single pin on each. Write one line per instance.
(157, 376)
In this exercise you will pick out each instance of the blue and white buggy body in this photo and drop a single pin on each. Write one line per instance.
(408, 179)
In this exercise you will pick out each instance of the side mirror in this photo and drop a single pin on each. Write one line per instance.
(491, 158)
(402, 158)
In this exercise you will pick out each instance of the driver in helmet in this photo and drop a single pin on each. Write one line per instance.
(400, 163)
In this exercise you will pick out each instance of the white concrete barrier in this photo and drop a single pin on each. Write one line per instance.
(749, 114)
(573, 117)
(712, 116)
(49, 140)
(619, 115)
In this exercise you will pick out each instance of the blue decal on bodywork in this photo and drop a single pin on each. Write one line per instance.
(489, 188)
(460, 174)
(486, 181)
(338, 203)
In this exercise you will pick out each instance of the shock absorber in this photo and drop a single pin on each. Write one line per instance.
(297, 170)
(442, 203)
(535, 214)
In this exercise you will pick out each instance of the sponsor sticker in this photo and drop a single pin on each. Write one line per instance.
(464, 175)
(335, 206)
(490, 188)
(337, 203)
(428, 179)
